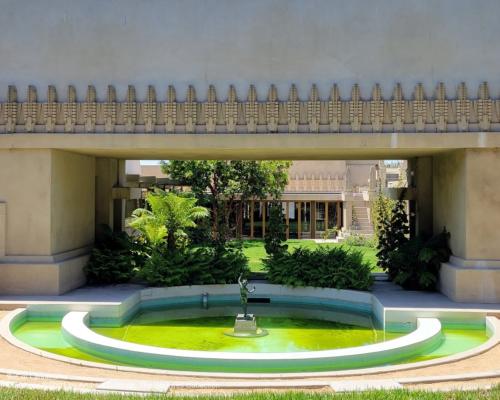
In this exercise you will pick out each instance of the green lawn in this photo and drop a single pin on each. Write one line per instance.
(254, 250)
(493, 394)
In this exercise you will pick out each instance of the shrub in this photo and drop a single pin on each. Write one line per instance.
(415, 265)
(333, 267)
(114, 259)
(195, 266)
(360, 240)
(330, 233)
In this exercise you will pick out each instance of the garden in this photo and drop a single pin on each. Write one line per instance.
(185, 238)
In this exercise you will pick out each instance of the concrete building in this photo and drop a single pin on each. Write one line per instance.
(320, 195)
(241, 78)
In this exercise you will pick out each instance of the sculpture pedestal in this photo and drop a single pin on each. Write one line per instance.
(246, 327)
(246, 324)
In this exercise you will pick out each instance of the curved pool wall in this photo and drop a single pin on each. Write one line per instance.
(76, 331)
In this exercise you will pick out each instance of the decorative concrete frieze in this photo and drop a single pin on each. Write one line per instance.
(438, 113)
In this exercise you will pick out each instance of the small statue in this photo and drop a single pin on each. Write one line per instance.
(244, 293)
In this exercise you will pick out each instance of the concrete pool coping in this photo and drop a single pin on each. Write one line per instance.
(76, 331)
(463, 311)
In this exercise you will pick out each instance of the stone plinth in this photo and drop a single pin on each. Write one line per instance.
(245, 324)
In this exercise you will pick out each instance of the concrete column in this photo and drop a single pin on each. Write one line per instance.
(467, 202)
(420, 178)
(48, 220)
(106, 178)
(347, 214)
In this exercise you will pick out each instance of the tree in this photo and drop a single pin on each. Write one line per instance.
(393, 235)
(276, 232)
(222, 183)
(381, 212)
(169, 215)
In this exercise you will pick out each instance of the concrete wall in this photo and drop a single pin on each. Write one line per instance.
(449, 205)
(483, 204)
(185, 42)
(73, 197)
(25, 189)
(47, 220)
(467, 203)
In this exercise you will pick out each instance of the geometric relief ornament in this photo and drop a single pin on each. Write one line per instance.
(149, 110)
(441, 108)
(484, 107)
(251, 110)
(463, 105)
(231, 110)
(69, 110)
(419, 108)
(49, 109)
(377, 109)
(170, 110)
(313, 110)
(190, 110)
(10, 110)
(130, 110)
(30, 109)
(272, 109)
(90, 109)
(355, 109)
(292, 107)
(398, 108)
(109, 110)
(335, 109)
(211, 110)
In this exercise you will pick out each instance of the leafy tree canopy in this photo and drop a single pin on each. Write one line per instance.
(226, 179)
(168, 215)
(222, 182)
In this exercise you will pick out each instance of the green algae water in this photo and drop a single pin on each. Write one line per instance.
(286, 334)
(207, 334)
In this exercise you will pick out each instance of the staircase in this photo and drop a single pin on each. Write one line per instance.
(360, 214)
